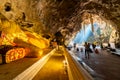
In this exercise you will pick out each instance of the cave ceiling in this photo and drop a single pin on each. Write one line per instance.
(52, 16)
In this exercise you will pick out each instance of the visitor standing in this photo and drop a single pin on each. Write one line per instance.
(87, 49)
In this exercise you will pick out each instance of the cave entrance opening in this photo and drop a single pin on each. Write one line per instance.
(97, 30)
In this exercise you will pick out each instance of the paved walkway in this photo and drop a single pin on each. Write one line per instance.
(53, 69)
(105, 64)
(12, 69)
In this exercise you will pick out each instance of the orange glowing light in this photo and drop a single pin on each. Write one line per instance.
(15, 54)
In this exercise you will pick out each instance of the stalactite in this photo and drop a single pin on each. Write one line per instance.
(106, 27)
(83, 27)
(91, 21)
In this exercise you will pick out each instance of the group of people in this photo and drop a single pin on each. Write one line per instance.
(88, 50)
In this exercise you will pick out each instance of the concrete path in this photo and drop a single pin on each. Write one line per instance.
(53, 69)
(11, 70)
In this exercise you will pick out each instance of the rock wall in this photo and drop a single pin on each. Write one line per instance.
(51, 16)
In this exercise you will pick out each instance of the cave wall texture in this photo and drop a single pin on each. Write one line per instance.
(51, 16)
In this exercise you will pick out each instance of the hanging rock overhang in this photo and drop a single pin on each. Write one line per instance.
(62, 15)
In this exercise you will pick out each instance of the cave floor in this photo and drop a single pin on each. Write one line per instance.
(105, 64)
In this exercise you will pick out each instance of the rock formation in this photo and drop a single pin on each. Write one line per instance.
(47, 17)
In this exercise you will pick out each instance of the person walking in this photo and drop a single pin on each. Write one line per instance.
(87, 49)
